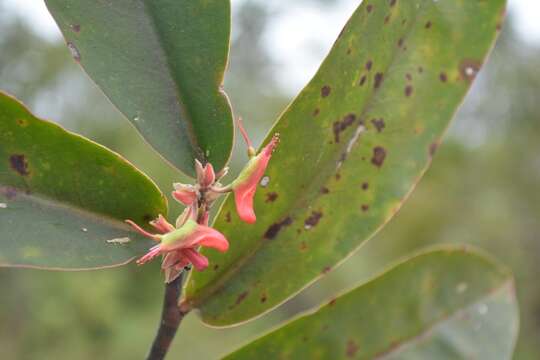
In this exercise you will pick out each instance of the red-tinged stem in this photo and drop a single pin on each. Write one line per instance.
(171, 317)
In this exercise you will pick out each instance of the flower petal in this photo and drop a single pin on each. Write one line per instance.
(162, 225)
(143, 232)
(207, 237)
(243, 197)
(186, 197)
(199, 261)
(152, 253)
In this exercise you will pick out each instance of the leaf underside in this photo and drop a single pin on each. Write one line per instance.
(64, 198)
(443, 304)
(353, 145)
(161, 63)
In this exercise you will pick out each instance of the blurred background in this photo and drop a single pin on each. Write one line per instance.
(482, 189)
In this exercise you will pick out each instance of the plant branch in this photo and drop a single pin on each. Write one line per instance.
(171, 317)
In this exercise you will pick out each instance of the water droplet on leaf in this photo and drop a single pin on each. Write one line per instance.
(265, 181)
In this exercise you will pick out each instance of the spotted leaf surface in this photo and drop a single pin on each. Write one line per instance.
(63, 198)
(353, 145)
(444, 304)
(162, 64)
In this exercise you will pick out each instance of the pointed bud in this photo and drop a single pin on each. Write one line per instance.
(185, 194)
(162, 225)
(209, 176)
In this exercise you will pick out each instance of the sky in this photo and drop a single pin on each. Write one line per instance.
(313, 27)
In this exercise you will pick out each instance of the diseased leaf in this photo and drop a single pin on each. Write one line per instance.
(63, 198)
(443, 304)
(353, 145)
(162, 64)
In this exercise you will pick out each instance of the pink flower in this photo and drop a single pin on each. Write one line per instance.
(180, 245)
(245, 185)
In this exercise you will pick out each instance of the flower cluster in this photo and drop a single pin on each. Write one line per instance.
(180, 243)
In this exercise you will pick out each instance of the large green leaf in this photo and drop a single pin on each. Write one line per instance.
(63, 198)
(354, 143)
(443, 304)
(161, 62)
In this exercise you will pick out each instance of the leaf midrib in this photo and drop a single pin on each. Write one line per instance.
(185, 116)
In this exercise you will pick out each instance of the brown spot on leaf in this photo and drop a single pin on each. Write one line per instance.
(420, 69)
(393, 2)
(365, 207)
(22, 122)
(400, 42)
(349, 50)
(340, 126)
(369, 8)
(362, 80)
(313, 219)
(19, 164)
(379, 124)
(379, 155)
(316, 112)
(76, 28)
(263, 298)
(369, 65)
(332, 302)
(274, 229)
(303, 246)
(324, 190)
(241, 297)
(271, 197)
(428, 25)
(469, 68)
(326, 269)
(325, 91)
(228, 217)
(433, 148)
(387, 19)
(352, 349)
(378, 80)
(408, 76)
(216, 267)
(365, 186)
(338, 176)
(408, 90)
(443, 77)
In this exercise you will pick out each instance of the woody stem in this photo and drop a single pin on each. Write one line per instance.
(171, 317)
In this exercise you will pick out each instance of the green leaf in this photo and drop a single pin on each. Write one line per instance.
(64, 198)
(443, 304)
(161, 63)
(353, 145)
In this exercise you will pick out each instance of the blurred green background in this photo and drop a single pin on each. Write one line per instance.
(482, 189)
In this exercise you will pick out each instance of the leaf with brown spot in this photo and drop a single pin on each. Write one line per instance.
(66, 196)
(440, 321)
(391, 161)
